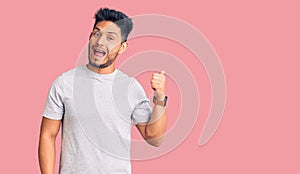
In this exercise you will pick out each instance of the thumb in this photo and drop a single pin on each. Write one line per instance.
(162, 72)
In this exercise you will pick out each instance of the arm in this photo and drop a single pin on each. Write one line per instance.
(48, 132)
(154, 130)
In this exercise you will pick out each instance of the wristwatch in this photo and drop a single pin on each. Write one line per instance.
(160, 102)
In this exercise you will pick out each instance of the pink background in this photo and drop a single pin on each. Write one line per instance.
(257, 43)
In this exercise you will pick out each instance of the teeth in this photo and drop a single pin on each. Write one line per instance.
(101, 51)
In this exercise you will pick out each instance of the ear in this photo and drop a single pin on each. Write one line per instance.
(123, 47)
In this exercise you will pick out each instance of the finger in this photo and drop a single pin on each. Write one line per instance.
(156, 82)
(156, 86)
(157, 77)
(156, 74)
(160, 73)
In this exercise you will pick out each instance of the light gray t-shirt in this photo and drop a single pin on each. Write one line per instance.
(97, 111)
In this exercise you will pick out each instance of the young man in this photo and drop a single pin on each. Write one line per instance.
(95, 104)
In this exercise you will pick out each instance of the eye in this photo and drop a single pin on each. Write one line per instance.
(97, 34)
(110, 38)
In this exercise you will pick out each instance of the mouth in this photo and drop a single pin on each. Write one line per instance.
(99, 53)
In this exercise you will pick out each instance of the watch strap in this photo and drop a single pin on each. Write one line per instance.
(160, 102)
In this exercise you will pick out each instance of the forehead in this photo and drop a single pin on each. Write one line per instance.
(108, 26)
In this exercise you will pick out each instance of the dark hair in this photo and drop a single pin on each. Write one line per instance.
(117, 17)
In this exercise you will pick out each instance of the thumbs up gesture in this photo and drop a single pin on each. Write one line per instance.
(158, 82)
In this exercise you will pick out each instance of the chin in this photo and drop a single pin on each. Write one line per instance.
(94, 63)
(97, 62)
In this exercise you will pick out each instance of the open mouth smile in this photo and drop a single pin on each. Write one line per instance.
(99, 53)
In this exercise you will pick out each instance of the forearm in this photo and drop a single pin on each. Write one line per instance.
(156, 127)
(47, 155)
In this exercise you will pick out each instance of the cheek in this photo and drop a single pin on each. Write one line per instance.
(110, 48)
(114, 47)
(91, 42)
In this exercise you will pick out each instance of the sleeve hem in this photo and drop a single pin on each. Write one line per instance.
(141, 122)
(52, 118)
(52, 115)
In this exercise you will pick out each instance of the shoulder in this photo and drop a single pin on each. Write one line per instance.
(63, 78)
(68, 76)
(71, 72)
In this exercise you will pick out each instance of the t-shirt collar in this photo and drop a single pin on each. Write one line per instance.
(109, 76)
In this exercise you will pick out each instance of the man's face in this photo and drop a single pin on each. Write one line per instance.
(105, 44)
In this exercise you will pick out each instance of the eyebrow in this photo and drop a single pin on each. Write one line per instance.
(97, 28)
(110, 32)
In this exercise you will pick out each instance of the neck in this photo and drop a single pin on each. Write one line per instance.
(107, 70)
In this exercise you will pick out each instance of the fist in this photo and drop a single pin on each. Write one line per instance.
(158, 82)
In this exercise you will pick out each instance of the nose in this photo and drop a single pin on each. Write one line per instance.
(101, 40)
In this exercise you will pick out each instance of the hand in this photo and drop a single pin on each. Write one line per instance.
(158, 82)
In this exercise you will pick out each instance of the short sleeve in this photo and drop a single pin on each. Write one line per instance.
(54, 108)
(142, 111)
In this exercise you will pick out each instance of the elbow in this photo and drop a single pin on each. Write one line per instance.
(155, 139)
(156, 142)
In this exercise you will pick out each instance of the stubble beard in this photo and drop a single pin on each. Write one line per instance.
(111, 58)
